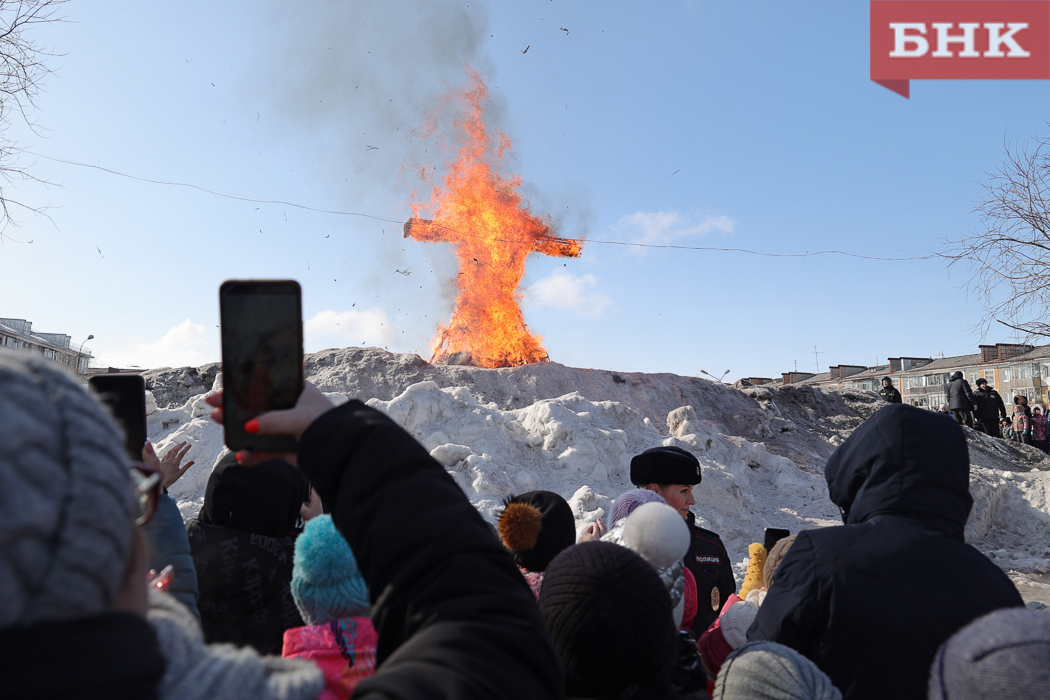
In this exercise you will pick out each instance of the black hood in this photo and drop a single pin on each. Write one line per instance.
(264, 499)
(956, 375)
(903, 461)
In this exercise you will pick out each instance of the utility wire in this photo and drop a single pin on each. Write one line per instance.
(862, 254)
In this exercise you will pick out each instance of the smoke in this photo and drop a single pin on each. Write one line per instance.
(360, 76)
(358, 83)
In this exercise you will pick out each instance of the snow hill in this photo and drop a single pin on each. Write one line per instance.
(574, 431)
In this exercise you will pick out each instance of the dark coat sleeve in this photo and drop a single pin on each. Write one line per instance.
(455, 617)
(968, 392)
(793, 613)
(168, 544)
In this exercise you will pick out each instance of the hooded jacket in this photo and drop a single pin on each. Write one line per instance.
(870, 602)
(242, 544)
(960, 397)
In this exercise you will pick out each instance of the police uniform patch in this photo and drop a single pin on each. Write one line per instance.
(716, 598)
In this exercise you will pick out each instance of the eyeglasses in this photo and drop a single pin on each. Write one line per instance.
(146, 481)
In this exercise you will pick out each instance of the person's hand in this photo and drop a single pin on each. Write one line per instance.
(169, 468)
(593, 532)
(291, 421)
(311, 510)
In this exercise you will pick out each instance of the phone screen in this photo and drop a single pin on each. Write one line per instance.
(262, 357)
(125, 395)
(774, 535)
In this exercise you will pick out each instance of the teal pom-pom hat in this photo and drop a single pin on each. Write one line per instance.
(326, 583)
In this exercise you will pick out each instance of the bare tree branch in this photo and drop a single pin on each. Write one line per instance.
(1008, 256)
(23, 69)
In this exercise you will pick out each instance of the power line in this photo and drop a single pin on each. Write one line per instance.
(862, 254)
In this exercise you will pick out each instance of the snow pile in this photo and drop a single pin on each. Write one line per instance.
(501, 432)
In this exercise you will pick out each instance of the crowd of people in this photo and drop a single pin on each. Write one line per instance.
(983, 410)
(356, 566)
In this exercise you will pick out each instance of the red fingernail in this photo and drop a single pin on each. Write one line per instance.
(242, 455)
(252, 426)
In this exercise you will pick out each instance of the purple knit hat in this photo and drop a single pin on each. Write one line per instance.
(630, 500)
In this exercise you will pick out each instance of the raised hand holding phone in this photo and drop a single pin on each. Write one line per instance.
(289, 422)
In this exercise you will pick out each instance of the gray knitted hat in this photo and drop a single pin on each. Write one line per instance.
(65, 496)
(1005, 654)
(771, 671)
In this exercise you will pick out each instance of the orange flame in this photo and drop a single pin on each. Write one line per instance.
(484, 217)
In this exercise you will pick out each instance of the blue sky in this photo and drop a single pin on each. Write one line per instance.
(743, 125)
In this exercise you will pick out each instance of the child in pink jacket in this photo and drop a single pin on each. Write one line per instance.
(333, 600)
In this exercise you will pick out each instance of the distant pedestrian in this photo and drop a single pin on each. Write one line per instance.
(990, 408)
(1021, 400)
(944, 409)
(961, 400)
(1039, 432)
(889, 392)
(1022, 425)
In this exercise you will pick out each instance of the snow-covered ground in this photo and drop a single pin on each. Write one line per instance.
(574, 431)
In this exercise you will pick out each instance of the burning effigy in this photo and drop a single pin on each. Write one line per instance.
(483, 215)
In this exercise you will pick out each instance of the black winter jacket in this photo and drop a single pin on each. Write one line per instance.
(960, 397)
(990, 405)
(455, 617)
(245, 586)
(870, 602)
(112, 656)
(708, 561)
(890, 394)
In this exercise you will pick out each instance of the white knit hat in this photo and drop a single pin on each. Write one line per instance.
(735, 622)
(65, 496)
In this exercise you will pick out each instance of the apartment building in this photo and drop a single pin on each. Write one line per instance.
(18, 334)
(1012, 368)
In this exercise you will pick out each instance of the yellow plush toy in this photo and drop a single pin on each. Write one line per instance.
(754, 578)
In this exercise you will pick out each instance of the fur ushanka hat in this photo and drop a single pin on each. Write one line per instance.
(665, 465)
(535, 527)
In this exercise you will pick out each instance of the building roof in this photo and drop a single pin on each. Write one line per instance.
(55, 341)
(945, 363)
(942, 364)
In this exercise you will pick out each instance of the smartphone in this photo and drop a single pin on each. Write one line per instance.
(262, 357)
(125, 396)
(774, 535)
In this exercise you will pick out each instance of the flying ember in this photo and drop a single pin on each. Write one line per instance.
(492, 230)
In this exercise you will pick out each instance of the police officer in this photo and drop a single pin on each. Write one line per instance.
(672, 473)
(888, 392)
(990, 408)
